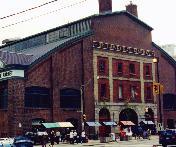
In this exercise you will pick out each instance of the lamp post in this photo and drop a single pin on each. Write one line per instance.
(83, 115)
(156, 60)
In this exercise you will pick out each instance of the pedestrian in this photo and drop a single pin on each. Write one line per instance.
(77, 138)
(52, 136)
(74, 135)
(58, 135)
(43, 141)
(71, 137)
(149, 134)
(140, 132)
(83, 137)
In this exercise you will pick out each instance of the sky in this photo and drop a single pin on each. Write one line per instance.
(156, 13)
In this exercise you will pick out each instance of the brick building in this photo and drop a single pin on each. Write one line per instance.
(101, 65)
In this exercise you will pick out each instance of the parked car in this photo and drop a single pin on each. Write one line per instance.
(167, 137)
(36, 137)
(6, 142)
(22, 141)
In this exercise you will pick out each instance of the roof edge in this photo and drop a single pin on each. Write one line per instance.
(166, 55)
(61, 46)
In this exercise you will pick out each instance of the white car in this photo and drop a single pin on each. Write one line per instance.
(5, 142)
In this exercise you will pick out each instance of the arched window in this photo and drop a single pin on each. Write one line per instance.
(169, 101)
(37, 97)
(3, 95)
(70, 98)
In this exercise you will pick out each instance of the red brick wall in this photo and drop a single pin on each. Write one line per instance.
(105, 5)
(15, 106)
(168, 79)
(107, 97)
(150, 85)
(147, 77)
(126, 90)
(169, 115)
(63, 70)
(125, 68)
(121, 30)
(106, 71)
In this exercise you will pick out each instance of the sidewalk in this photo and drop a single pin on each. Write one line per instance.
(154, 140)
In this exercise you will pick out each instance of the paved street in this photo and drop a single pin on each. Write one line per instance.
(131, 143)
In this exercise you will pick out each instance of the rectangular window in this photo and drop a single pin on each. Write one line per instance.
(102, 66)
(120, 68)
(147, 70)
(132, 68)
(148, 93)
(103, 90)
(120, 91)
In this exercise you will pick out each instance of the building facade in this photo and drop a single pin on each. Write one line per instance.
(101, 66)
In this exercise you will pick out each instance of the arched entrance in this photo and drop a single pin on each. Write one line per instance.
(128, 114)
(104, 116)
(149, 115)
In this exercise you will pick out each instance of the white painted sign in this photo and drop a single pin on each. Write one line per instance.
(11, 73)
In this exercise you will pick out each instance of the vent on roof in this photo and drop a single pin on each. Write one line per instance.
(10, 40)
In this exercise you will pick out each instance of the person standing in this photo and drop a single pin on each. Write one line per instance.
(83, 137)
(149, 134)
(43, 141)
(71, 137)
(52, 136)
(74, 135)
(58, 135)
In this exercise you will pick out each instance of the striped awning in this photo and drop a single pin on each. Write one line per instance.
(93, 124)
(110, 123)
(147, 122)
(51, 125)
(65, 124)
(127, 123)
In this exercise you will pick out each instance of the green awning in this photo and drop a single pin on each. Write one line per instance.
(51, 125)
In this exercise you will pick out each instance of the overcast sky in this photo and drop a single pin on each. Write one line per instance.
(159, 14)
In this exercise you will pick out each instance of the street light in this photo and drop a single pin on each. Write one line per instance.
(83, 115)
(156, 60)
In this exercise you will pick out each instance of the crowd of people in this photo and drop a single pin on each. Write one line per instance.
(137, 132)
(56, 136)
